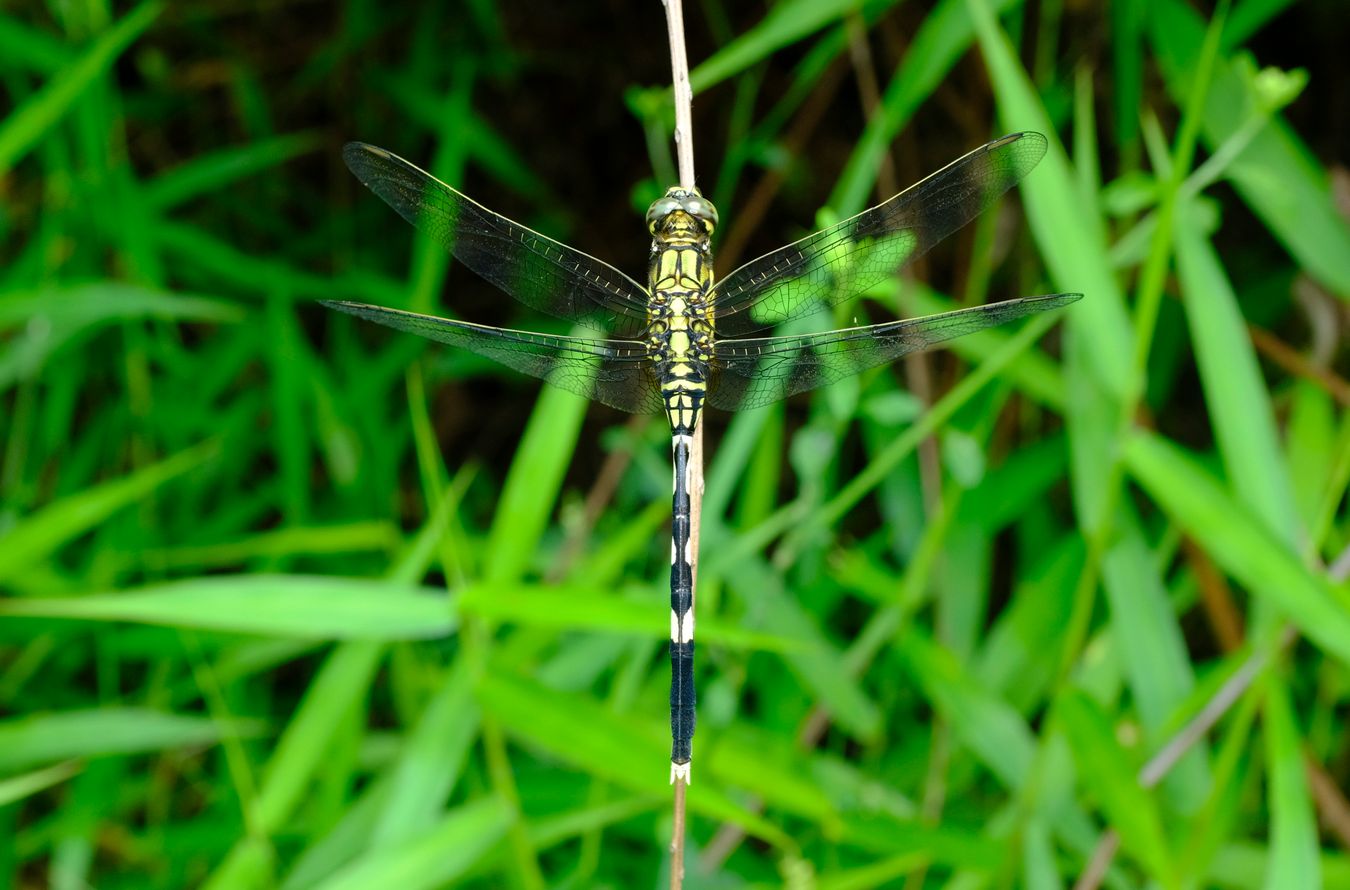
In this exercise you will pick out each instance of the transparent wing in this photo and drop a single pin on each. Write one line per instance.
(616, 372)
(541, 273)
(755, 372)
(863, 250)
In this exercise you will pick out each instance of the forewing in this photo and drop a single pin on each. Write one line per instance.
(543, 274)
(754, 372)
(848, 258)
(615, 372)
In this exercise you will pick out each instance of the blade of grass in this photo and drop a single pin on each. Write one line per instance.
(941, 40)
(1235, 391)
(351, 537)
(1240, 542)
(38, 739)
(1294, 842)
(1107, 770)
(1152, 650)
(579, 731)
(16, 788)
(294, 606)
(21, 130)
(533, 483)
(431, 760)
(32, 48)
(1276, 173)
(337, 688)
(818, 665)
(982, 721)
(220, 169)
(581, 608)
(891, 455)
(436, 856)
(40, 535)
(1069, 233)
(785, 24)
(82, 305)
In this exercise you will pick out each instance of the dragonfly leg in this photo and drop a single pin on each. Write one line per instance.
(682, 698)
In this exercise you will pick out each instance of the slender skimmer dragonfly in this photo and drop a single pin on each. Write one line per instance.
(668, 348)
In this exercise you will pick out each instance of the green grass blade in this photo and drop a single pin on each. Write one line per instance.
(16, 788)
(352, 537)
(302, 750)
(27, 124)
(818, 665)
(440, 854)
(580, 732)
(1242, 866)
(1276, 173)
(581, 608)
(1152, 650)
(343, 842)
(339, 686)
(785, 24)
(1104, 767)
(1242, 544)
(82, 305)
(38, 739)
(294, 606)
(220, 169)
(1235, 391)
(432, 759)
(40, 535)
(532, 486)
(940, 42)
(1294, 843)
(1069, 232)
(32, 48)
(981, 720)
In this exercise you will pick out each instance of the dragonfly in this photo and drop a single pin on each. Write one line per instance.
(685, 342)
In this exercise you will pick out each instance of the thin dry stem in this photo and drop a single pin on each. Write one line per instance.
(683, 92)
(677, 838)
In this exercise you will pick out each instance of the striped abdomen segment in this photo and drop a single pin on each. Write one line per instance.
(682, 698)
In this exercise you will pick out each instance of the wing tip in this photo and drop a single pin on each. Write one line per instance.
(356, 147)
(1018, 135)
(356, 154)
(351, 307)
(1046, 302)
(1057, 299)
(1032, 146)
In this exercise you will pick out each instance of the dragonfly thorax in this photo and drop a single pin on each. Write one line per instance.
(679, 320)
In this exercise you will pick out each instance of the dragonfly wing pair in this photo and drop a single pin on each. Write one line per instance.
(746, 373)
(799, 279)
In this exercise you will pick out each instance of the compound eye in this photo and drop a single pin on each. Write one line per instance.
(701, 208)
(659, 210)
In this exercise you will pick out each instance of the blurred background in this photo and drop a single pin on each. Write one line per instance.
(292, 601)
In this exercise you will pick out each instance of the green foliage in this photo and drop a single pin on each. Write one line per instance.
(289, 602)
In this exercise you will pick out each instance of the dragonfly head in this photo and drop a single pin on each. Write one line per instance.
(682, 215)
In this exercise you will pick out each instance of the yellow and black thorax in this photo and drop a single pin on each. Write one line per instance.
(679, 321)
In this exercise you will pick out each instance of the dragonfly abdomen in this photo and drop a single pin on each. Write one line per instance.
(682, 696)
